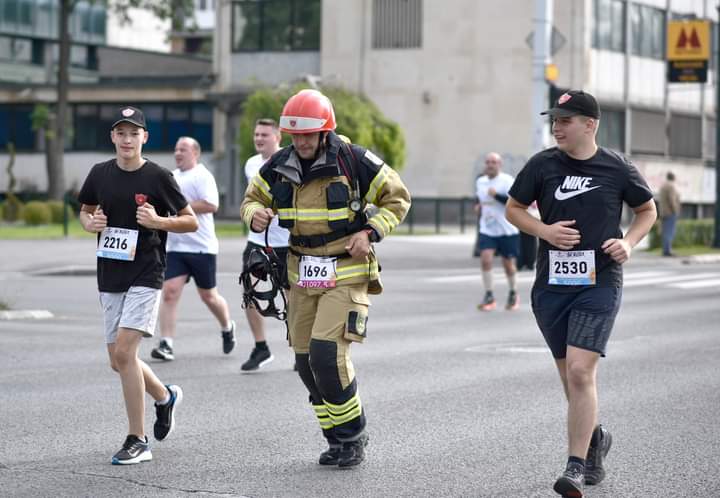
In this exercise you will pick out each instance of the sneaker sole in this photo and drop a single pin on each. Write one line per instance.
(146, 456)
(567, 489)
(161, 356)
(178, 400)
(260, 365)
(487, 307)
(591, 477)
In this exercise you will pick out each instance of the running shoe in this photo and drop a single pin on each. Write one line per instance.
(571, 483)
(488, 303)
(513, 302)
(599, 448)
(165, 422)
(134, 450)
(163, 351)
(228, 338)
(258, 358)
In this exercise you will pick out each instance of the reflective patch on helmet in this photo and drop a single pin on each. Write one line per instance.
(373, 158)
(292, 123)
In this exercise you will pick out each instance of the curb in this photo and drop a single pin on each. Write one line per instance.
(26, 314)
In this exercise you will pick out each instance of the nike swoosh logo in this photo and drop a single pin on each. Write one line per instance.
(561, 196)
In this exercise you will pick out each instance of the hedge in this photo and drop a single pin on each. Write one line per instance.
(687, 233)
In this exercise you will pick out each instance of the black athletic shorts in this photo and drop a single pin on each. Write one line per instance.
(201, 267)
(581, 319)
(281, 252)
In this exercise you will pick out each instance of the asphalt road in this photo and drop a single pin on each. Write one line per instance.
(460, 403)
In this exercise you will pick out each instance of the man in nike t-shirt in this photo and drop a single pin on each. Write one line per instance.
(580, 189)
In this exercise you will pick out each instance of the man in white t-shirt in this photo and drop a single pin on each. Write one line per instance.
(193, 254)
(496, 233)
(267, 142)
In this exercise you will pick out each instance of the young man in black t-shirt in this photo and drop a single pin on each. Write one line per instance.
(131, 203)
(580, 189)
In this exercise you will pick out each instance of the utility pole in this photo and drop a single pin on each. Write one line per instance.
(716, 240)
(542, 26)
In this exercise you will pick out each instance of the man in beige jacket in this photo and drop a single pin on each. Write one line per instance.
(669, 200)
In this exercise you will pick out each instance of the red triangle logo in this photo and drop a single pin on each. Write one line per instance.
(694, 39)
(683, 40)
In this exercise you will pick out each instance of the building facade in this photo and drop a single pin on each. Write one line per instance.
(457, 76)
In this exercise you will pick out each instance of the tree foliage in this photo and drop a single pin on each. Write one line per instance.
(357, 118)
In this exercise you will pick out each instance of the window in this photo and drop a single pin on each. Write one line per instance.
(609, 25)
(685, 136)
(166, 123)
(275, 25)
(647, 26)
(16, 127)
(611, 133)
(397, 24)
(16, 49)
(648, 132)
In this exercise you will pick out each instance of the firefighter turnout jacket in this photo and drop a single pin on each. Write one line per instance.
(323, 206)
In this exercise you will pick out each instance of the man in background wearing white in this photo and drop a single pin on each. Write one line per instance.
(193, 254)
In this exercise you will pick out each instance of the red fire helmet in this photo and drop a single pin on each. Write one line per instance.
(307, 111)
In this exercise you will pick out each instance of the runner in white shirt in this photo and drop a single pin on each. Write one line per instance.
(267, 142)
(193, 254)
(496, 233)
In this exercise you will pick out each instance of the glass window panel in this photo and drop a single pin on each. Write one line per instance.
(611, 133)
(86, 128)
(78, 56)
(156, 130)
(617, 41)
(4, 127)
(306, 30)
(276, 25)
(202, 125)
(23, 134)
(45, 20)
(25, 13)
(107, 115)
(177, 123)
(21, 50)
(10, 11)
(246, 26)
(5, 52)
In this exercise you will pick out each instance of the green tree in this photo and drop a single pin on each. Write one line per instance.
(357, 118)
(176, 10)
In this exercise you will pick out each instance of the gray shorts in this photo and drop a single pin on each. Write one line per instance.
(135, 309)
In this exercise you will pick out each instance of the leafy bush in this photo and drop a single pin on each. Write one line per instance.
(357, 117)
(12, 208)
(687, 233)
(37, 213)
(56, 211)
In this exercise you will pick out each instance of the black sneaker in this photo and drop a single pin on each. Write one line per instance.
(513, 302)
(331, 456)
(228, 337)
(165, 422)
(353, 453)
(570, 484)
(163, 351)
(488, 303)
(258, 358)
(134, 450)
(594, 470)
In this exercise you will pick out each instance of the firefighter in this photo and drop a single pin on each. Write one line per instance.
(320, 187)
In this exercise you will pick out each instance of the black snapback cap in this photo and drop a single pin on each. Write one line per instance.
(131, 115)
(575, 103)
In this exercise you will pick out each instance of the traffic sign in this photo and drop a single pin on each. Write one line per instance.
(688, 40)
(687, 71)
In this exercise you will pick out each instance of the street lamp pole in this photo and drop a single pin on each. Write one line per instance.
(716, 240)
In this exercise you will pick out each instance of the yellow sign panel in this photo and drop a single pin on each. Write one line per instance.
(551, 72)
(688, 40)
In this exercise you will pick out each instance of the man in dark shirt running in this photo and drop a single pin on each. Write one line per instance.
(131, 203)
(580, 189)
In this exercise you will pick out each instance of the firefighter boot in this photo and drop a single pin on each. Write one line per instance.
(353, 452)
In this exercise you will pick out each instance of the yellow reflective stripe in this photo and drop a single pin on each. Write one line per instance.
(377, 184)
(249, 210)
(293, 277)
(321, 412)
(263, 186)
(339, 414)
(353, 414)
(389, 216)
(384, 226)
(314, 214)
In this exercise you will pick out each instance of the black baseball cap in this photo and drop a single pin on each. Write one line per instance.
(131, 115)
(575, 103)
